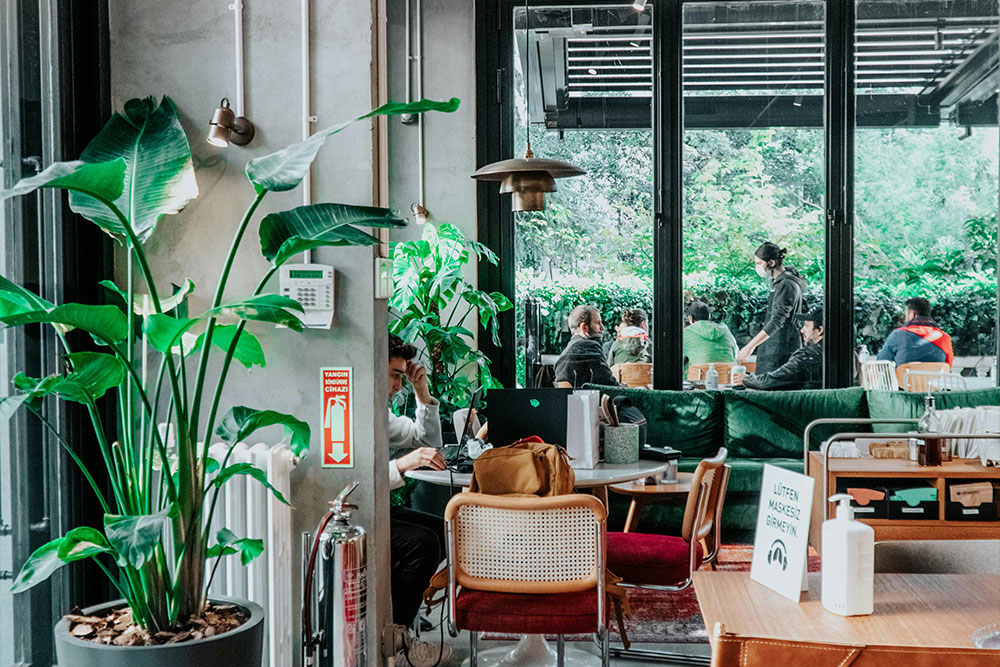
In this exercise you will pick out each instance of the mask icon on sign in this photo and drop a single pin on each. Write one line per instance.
(777, 555)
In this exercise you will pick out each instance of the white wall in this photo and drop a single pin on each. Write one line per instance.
(450, 139)
(185, 50)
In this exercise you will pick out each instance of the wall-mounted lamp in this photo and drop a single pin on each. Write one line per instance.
(639, 5)
(420, 213)
(227, 127)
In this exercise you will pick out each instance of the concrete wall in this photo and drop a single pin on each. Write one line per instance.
(185, 50)
(450, 139)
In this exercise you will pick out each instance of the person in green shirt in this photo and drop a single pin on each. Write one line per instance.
(705, 341)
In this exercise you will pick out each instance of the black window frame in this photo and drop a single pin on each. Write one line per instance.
(60, 51)
(494, 122)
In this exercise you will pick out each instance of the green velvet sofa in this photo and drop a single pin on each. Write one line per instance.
(759, 427)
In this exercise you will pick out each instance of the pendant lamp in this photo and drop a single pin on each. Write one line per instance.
(527, 179)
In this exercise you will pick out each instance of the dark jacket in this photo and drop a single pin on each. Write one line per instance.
(784, 302)
(803, 370)
(583, 361)
(906, 347)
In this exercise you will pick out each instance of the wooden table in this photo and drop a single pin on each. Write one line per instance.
(899, 469)
(648, 494)
(914, 610)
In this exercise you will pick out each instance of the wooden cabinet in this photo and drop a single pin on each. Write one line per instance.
(901, 471)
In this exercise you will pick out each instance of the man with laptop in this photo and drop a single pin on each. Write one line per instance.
(416, 542)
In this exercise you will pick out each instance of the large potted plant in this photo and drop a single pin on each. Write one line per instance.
(433, 302)
(155, 545)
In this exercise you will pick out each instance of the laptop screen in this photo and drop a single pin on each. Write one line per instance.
(518, 413)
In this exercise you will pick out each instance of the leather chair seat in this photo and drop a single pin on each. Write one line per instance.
(643, 558)
(527, 614)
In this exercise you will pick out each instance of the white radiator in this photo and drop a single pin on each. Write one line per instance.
(249, 509)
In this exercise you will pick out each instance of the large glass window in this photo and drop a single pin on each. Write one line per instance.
(926, 175)
(753, 75)
(589, 70)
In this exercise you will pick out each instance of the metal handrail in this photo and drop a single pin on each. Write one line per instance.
(844, 420)
(825, 449)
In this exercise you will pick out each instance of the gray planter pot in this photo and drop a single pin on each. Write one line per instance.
(239, 648)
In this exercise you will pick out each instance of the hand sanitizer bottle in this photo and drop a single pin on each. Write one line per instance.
(711, 377)
(848, 572)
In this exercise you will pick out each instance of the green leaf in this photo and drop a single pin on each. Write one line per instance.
(39, 566)
(166, 304)
(92, 375)
(263, 308)
(247, 469)
(248, 548)
(158, 172)
(135, 537)
(289, 233)
(81, 543)
(241, 421)
(100, 178)
(19, 294)
(106, 323)
(164, 331)
(248, 349)
(10, 404)
(285, 169)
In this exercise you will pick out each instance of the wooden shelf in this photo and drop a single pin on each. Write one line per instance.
(902, 529)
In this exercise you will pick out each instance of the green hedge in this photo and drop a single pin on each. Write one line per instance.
(965, 307)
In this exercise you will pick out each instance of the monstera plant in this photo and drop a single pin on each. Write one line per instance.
(432, 303)
(154, 543)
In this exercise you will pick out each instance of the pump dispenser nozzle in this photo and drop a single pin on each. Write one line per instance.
(844, 509)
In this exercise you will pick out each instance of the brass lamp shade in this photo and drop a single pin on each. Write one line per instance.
(527, 179)
(226, 127)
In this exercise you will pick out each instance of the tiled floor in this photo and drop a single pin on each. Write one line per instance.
(461, 646)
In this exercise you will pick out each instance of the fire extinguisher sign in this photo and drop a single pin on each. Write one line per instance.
(338, 417)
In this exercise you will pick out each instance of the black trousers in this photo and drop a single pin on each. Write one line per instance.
(416, 547)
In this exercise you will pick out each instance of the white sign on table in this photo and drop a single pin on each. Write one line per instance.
(781, 542)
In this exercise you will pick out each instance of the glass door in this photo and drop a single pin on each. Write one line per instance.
(587, 73)
(926, 179)
(754, 192)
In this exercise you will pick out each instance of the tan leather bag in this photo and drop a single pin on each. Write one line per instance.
(526, 468)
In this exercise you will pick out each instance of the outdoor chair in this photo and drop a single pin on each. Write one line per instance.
(527, 566)
(635, 375)
(879, 375)
(917, 377)
(667, 562)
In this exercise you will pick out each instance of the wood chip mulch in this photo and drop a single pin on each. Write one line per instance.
(116, 627)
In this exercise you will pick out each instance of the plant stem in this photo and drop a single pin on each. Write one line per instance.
(76, 459)
(220, 289)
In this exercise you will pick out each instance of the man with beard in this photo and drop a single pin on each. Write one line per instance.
(583, 360)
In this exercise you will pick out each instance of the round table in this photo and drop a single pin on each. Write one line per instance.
(533, 650)
(603, 475)
(652, 493)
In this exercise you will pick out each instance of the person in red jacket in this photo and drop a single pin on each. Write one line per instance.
(919, 339)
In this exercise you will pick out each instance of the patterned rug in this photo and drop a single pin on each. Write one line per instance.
(674, 617)
(659, 616)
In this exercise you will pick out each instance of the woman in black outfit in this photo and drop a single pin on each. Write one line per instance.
(779, 337)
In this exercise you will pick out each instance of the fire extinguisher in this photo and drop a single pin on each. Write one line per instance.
(334, 608)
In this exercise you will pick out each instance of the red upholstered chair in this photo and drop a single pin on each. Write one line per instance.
(527, 566)
(666, 562)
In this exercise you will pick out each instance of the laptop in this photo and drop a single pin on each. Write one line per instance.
(457, 453)
(515, 414)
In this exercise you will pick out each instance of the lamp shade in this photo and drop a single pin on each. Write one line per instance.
(527, 179)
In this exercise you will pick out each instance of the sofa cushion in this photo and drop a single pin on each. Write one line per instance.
(641, 558)
(691, 421)
(770, 424)
(884, 404)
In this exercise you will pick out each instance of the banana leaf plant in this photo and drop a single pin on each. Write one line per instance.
(431, 303)
(155, 544)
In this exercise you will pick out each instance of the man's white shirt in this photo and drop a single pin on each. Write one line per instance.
(424, 430)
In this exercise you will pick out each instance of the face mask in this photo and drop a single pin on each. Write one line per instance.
(761, 271)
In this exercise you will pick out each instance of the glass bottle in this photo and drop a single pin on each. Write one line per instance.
(711, 377)
(930, 449)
